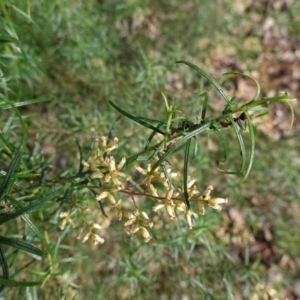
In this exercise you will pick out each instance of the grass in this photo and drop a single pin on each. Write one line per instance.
(88, 53)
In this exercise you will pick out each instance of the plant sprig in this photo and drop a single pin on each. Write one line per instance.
(105, 179)
(180, 136)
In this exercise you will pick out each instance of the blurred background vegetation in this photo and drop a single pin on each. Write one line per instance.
(84, 53)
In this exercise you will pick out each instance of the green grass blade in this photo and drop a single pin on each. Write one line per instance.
(8, 148)
(206, 76)
(5, 38)
(28, 17)
(7, 19)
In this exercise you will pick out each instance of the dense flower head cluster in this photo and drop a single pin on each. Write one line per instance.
(117, 191)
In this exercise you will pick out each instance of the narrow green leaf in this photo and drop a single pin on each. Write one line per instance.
(80, 167)
(5, 38)
(249, 77)
(242, 146)
(229, 106)
(10, 173)
(150, 138)
(7, 18)
(292, 114)
(27, 102)
(54, 193)
(266, 101)
(185, 172)
(170, 113)
(3, 69)
(21, 245)
(195, 149)
(139, 156)
(102, 208)
(28, 17)
(36, 231)
(156, 152)
(135, 119)
(204, 105)
(26, 174)
(29, 223)
(252, 145)
(166, 101)
(4, 266)
(179, 143)
(23, 125)
(261, 111)
(242, 149)
(223, 142)
(208, 77)
(164, 168)
(113, 127)
(8, 282)
(8, 148)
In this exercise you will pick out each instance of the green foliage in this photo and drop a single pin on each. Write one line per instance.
(70, 59)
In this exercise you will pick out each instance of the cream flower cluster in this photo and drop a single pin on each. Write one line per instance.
(119, 193)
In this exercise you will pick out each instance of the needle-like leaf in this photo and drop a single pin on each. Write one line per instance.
(135, 119)
(179, 143)
(252, 145)
(185, 172)
(208, 77)
(249, 77)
